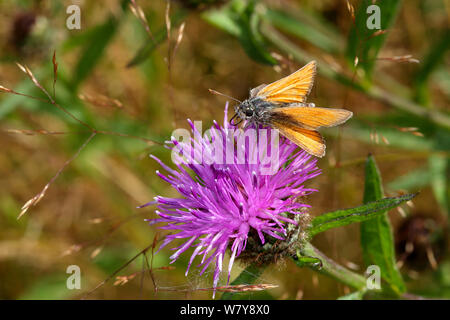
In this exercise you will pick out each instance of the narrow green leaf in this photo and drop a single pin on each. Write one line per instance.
(147, 49)
(430, 63)
(51, 287)
(242, 20)
(441, 78)
(362, 42)
(439, 180)
(373, 189)
(159, 37)
(365, 212)
(223, 20)
(412, 181)
(78, 40)
(377, 240)
(357, 295)
(247, 276)
(404, 140)
(94, 49)
(299, 28)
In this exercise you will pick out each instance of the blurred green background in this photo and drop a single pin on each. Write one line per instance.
(116, 76)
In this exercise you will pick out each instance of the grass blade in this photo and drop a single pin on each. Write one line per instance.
(357, 295)
(439, 168)
(159, 37)
(94, 50)
(303, 30)
(242, 20)
(430, 63)
(365, 43)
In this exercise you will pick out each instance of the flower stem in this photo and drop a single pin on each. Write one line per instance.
(331, 268)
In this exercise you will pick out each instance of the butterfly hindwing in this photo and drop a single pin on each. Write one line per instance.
(309, 140)
(291, 89)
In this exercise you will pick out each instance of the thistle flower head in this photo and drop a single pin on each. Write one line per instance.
(224, 199)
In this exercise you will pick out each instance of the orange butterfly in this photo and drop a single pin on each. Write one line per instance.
(282, 105)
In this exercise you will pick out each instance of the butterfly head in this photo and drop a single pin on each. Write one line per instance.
(245, 110)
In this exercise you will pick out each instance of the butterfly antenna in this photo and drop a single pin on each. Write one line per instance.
(223, 94)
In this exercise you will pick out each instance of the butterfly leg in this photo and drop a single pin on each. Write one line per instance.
(247, 124)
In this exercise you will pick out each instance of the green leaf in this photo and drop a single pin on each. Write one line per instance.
(362, 42)
(242, 20)
(303, 30)
(357, 295)
(51, 287)
(94, 50)
(376, 234)
(146, 50)
(247, 276)
(404, 140)
(430, 63)
(441, 78)
(96, 42)
(222, 20)
(373, 189)
(159, 37)
(345, 217)
(12, 102)
(439, 180)
(412, 181)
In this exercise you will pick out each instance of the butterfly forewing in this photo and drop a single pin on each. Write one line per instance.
(291, 89)
(310, 117)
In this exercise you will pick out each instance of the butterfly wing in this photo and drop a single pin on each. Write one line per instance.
(309, 140)
(291, 89)
(298, 124)
(310, 117)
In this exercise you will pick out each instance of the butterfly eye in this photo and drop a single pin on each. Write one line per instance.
(249, 112)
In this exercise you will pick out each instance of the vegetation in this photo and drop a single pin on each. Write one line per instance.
(83, 109)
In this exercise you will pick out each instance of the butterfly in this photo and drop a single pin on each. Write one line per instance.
(282, 105)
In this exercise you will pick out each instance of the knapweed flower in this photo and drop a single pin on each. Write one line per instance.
(226, 199)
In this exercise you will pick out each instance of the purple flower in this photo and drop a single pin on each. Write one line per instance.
(222, 202)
